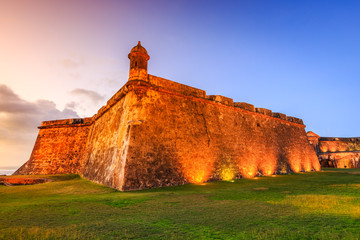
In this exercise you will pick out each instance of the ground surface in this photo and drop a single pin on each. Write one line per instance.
(322, 205)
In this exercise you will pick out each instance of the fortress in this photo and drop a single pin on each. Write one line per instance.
(155, 132)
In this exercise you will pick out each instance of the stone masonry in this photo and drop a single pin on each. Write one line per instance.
(336, 152)
(155, 132)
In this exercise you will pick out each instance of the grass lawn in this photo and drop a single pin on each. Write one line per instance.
(321, 205)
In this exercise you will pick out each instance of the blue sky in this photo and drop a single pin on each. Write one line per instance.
(62, 59)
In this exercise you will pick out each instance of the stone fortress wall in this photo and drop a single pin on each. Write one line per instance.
(155, 132)
(59, 147)
(336, 152)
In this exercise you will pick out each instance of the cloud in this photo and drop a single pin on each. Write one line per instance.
(87, 102)
(71, 105)
(11, 103)
(19, 118)
(75, 75)
(92, 95)
(68, 63)
(71, 63)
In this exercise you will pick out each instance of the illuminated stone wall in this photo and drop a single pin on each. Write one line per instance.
(159, 133)
(336, 152)
(339, 144)
(106, 150)
(178, 135)
(59, 147)
(340, 159)
(154, 132)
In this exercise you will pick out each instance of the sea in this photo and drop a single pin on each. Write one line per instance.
(7, 171)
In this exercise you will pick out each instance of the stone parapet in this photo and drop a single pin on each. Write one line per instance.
(353, 139)
(221, 99)
(280, 115)
(65, 122)
(165, 85)
(245, 106)
(299, 121)
(295, 120)
(176, 87)
(264, 111)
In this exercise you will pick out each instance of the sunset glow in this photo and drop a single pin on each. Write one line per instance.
(65, 59)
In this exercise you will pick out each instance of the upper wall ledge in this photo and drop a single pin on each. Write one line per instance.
(353, 139)
(195, 92)
(67, 122)
(175, 87)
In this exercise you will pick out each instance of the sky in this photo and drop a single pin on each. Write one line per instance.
(65, 59)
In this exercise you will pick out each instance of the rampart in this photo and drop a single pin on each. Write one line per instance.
(155, 132)
(328, 144)
(336, 152)
(59, 147)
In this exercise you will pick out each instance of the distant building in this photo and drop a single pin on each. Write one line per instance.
(336, 152)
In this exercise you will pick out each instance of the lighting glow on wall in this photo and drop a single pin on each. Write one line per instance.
(197, 171)
(227, 174)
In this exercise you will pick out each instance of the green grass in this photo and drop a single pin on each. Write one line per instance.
(321, 205)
